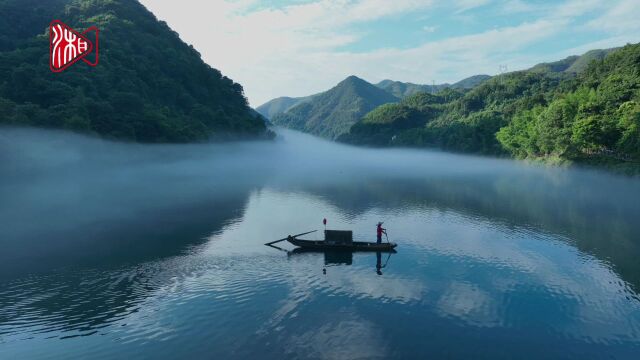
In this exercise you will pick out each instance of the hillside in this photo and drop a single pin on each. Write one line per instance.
(470, 82)
(573, 64)
(548, 112)
(149, 86)
(585, 59)
(594, 119)
(279, 105)
(333, 112)
(380, 126)
(403, 89)
(397, 89)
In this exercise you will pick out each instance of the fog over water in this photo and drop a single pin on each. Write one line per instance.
(113, 250)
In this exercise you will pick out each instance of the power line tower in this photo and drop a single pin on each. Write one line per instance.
(502, 69)
(433, 87)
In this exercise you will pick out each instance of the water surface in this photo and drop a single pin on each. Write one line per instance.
(119, 250)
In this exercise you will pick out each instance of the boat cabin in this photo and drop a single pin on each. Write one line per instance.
(338, 237)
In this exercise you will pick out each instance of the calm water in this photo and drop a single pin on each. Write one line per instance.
(128, 251)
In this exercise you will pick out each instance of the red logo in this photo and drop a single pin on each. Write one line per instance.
(67, 46)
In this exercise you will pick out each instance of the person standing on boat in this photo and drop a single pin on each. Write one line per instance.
(380, 231)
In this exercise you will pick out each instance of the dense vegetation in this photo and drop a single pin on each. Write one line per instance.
(398, 89)
(380, 126)
(149, 86)
(469, 122)
(404, 89)
(598, 114)
(333, 112)
(573, 64)
(547, 112)
(279, 105)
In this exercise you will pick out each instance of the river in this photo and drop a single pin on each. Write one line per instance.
(113, 250)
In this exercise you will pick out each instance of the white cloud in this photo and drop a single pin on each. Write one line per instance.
(622, 18)
(452, 58)
(429, 29)
(299, 49)
(517, 6)
(574, 8)
(466, 5)
(607, 43)
(271, 51)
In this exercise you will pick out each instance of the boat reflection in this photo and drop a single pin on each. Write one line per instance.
(342, 257)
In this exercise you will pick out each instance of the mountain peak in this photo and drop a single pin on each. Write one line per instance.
(352, 79)
(333, 112)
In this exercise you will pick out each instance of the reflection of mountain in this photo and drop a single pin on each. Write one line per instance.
(600, 223)
(90, 229)
(91, 202)
(120, 217)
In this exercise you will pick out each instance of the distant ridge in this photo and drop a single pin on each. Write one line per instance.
(583, 109)
(397, 89)
(573, 64)
(279, 105)
(404, 89)
(333, 112)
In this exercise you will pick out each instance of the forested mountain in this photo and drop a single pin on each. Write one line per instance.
(595, 115)
(402, 89)
(470, 82)
(279, 105)
(149, 85)
(333, 112)
(573, 64)
(397, 89)
(546, 112)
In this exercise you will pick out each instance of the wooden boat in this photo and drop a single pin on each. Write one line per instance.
(335, 240)
(347, 246)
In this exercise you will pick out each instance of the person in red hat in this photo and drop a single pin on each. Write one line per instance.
(380, 231)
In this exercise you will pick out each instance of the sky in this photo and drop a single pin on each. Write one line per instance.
(301, 47)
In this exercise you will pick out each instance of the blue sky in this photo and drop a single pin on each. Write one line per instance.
(296, 48)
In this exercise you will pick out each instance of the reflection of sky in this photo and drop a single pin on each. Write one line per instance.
(464, 270)
(481, 275)
(469, 269)
(340, 338)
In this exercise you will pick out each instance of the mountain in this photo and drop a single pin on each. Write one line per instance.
(573, 64)
(396, 88)
(333, 112)
(594, 119)
(279, 105)
(149, 85)
(581, 63)
(404, 89)
(381, 125)
(563, 111)
(470, 82)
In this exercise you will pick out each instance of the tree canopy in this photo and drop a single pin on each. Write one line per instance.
(591, 116)
(149, 85)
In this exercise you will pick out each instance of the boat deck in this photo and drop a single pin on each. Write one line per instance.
(353, 246)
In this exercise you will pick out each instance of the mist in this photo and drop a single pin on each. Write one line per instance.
(73, 200)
